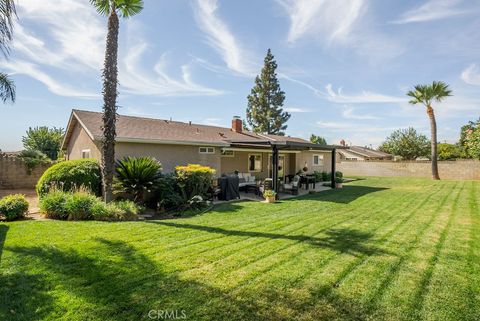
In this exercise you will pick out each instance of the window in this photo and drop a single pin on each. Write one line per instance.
(86, 153)
(255, 162)
(206, 150)
(317, 160)
(228, 153)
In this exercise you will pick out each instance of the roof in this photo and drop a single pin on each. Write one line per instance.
(368, 152)
(158, 131)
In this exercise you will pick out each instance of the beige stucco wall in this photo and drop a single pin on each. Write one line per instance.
(170, 155)
(307, 157)
(80, 141)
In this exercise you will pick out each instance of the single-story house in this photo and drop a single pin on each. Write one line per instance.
(358, 153)
(175, 143)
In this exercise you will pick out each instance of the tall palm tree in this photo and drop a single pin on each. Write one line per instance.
(112, 9)
(7, 14)
(425, 95)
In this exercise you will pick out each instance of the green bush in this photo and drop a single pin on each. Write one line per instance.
(167, 194)
(194, 180)
(80, 206)
(84, 206)
(13, 206)
(71, 176)
(136, 176)
(338, 174)
(53, 205)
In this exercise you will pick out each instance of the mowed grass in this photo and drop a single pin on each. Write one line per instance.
(379, 249)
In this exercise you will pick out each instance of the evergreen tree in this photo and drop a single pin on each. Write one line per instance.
(318, 140)
(265, 102)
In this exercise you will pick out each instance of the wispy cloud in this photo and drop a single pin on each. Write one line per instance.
(213, 122)
(219, 36)
(296, 110)
(334, 19)
(57, 87)
(349, 113)
(471, 75)
(136, 80)
(365, 97)
(433, 10)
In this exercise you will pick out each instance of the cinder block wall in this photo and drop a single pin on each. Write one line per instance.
(13, 173)
(460, 169)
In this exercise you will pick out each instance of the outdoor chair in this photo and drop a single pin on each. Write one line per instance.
(293, 186)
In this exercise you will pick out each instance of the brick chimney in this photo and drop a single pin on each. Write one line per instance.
(237, 124)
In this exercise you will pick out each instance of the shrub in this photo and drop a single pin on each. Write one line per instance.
(71, 175)
(33, 158)
(318, 176)
(338, 174)
(80, 206)
(167, 194)
(137, 175)
(84, 206)
(194, 180)
(53, 205)
(13, 206)
(269, 193)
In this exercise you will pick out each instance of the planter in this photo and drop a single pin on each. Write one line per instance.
(270, 199)
(338, 185)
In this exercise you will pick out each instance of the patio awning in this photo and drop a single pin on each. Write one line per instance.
(283, 145)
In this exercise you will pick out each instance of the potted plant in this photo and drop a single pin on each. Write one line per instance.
(338, 179)
(270, 196)
(338, 182)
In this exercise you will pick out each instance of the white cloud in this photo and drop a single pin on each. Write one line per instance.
(363, 98)
(432, 10)
(212, 122)
(296, 110)
(349, 113)
(220, 37)
(56, 87)
(471, 75)
(334, 19)
(136, 80)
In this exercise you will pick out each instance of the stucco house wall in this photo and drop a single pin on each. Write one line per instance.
(81, 141)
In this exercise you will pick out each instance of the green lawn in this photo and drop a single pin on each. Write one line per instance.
(380, 249)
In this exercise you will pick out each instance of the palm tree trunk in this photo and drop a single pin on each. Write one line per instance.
(433, 132)
(110, 73)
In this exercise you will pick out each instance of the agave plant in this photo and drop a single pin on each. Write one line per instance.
(137, 175)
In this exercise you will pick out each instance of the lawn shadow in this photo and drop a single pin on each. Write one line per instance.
(3, 237)
(343, 240)
(344, 195)
(110, 281)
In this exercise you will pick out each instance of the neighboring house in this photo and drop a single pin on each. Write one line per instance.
(357, 153)
(175, 143)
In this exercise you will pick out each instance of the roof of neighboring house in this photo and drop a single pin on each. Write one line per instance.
(150, 130)
(368, 152)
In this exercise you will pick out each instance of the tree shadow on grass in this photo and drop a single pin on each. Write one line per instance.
(343, 240)
(3, 236)
(345, 195)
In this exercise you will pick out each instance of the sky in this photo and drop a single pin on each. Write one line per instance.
(345, 65)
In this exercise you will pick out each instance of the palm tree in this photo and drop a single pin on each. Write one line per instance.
(111, 8)
(7, 14)
(426, 94)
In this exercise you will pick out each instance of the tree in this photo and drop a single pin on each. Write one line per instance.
(318, 140)
(406, 143)
(472, 141)
(44, 139)
(464, 133)
(111, 8)
(425, 95)
(264, 110)
(449, 151)
(7, 14)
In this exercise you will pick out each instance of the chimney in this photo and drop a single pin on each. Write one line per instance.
(237, 124)
(342, 142)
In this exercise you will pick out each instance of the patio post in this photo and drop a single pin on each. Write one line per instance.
(275, 168)
(334, 152)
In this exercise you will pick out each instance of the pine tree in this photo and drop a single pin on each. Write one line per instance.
(265, 102)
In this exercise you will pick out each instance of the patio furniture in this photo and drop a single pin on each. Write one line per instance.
(229, 189)
(246, 179)
(253, 188)
(307, 180)
(293, 186)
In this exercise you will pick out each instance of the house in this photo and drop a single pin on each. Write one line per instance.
(175, 143)
(358, 153)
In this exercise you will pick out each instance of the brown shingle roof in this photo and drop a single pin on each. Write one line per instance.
(139, 129)
(369, 152)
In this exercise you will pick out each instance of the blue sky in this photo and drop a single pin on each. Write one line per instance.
(345, 65)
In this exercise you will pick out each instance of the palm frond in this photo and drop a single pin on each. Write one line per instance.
(103, 6)
(7, 14)
(7, 88)
(425, 94)
(129, 8)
